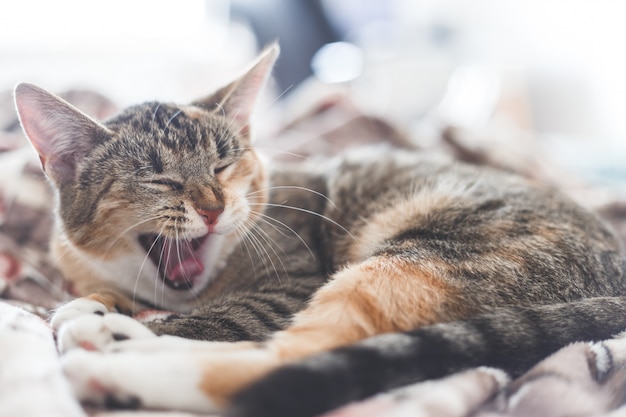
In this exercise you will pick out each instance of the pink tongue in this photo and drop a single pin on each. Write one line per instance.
(180, 262)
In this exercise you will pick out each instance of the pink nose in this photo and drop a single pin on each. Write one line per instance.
(210, 216)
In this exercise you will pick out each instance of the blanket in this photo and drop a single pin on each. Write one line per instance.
(585, 379)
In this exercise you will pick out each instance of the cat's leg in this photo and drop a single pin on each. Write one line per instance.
(232, 317)
(379, 295)
(172, 380)
(114, 332)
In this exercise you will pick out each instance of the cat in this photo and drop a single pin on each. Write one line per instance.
(403, 255)
(120, 213)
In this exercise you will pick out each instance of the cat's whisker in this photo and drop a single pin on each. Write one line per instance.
(222, 134)
(178, 253)
(128, 229)
(254, 226)
(165, 265)
(285, 91)
(172, 118)
(232, 121)
(265, 218)
(176, 241)
(143, 263)
(292, 187)
(61, 255)
(248, 239)
(279, 151)
(251, 234)
(160, 266)
(256, 198)
(274, 101)
(274, 150)
(241, 237)
(156, 109)
(326, 218)
(262, 234)
(219, 106)
(186, 241)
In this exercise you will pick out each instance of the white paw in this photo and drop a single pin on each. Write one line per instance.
(74, 309)
(98, 333)
(136, 379)
(89, 374)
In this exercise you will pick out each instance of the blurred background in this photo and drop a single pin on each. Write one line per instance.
(554, 69)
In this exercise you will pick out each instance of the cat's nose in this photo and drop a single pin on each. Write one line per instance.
(210, 216)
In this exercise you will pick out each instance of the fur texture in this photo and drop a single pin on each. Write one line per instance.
(169, 206)
(512, 339)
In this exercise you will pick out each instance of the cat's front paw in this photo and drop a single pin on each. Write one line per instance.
(98, 332)
(74, 309)
(160, 380)
(89, 374)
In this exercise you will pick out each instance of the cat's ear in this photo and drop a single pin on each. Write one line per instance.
(60, 133)
(237, 100)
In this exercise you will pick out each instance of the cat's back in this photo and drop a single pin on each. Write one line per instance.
(495, 236)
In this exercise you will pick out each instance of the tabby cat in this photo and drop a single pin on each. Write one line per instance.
(415, 266)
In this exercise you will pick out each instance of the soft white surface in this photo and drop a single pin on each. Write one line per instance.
(31, 381)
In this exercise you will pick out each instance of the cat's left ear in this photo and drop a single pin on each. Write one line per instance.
(237, 100)
(60, 133)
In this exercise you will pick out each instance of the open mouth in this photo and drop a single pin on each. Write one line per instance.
(178, 260)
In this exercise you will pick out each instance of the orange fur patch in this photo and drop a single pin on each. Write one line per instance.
(245, 169)
(232, 371)
(387, 223)
(108, 300)
(380, 295)
(377, 296)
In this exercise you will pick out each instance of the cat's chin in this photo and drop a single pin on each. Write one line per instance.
(180, 262)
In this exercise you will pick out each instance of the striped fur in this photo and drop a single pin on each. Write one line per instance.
(512, 339)
(382, 241)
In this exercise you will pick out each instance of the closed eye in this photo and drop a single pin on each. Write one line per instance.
(217, 170)
(166, 182)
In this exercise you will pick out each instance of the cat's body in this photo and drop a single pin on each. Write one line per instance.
(491, 236)
(381, 240)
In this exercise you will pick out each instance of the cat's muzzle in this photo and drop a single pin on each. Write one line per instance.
(178, 261)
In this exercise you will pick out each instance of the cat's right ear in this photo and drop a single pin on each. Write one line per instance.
(237, 100)
(60, 133)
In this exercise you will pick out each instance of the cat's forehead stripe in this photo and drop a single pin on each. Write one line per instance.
(155, 161)
(170, 125)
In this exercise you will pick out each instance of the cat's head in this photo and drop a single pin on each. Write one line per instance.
(154, 199)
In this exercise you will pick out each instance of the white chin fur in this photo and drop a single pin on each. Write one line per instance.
(136, 274)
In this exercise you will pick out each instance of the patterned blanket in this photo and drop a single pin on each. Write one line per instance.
(583, 379)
